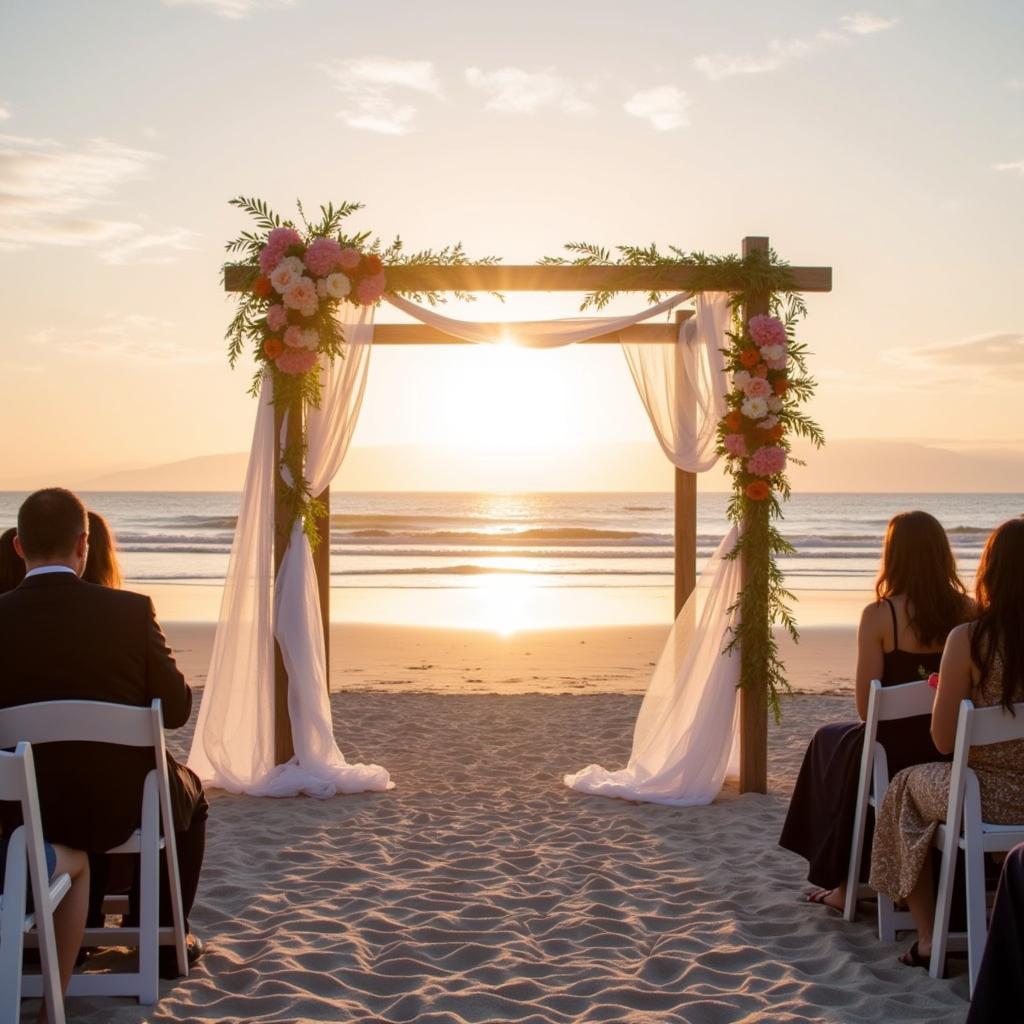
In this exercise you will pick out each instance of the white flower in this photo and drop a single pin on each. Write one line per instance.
(297, 266)
(775, 404)
(773, 351)
(338, 285)
(311, 338)
(754, 408)
(768, 422)
(740, 380)
(283, 277)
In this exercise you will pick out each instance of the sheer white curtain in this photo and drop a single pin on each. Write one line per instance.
(233, 746)
(684, 738)
(534, 333)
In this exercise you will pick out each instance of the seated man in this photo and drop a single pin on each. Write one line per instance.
(64, 639)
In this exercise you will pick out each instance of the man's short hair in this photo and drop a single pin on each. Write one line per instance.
(49, 524)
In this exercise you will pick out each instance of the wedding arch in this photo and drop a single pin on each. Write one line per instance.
(265, 725)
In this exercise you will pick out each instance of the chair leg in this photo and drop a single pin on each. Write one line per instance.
(11, 946)
(943, 901)
(149, 895)
(977, 916)
(886, 919)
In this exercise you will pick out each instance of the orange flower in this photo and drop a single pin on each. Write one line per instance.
(272, 348)
(781, 386)
(733, 420)
(761, 370)
(775, 434)
(262, 286)
(373, 264)
(758, 490)
(750, 357)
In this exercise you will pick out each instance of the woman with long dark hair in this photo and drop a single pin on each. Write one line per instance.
(983, 662)
(101, 564)
(919, 600)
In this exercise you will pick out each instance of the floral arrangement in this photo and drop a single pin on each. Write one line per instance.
(295, 278)
(769, 384)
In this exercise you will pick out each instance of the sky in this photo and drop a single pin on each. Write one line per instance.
(886, 141)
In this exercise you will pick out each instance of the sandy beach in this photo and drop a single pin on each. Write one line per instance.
(483, 890)
(612, 659)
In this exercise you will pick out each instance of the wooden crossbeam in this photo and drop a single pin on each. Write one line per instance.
(421, 334)
(531, 278)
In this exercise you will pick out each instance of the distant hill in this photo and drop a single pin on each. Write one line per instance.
(846, 465)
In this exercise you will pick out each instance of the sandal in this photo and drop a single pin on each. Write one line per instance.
(913, 958)
(819, 896)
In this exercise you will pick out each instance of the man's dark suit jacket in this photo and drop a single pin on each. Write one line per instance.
(64, 639)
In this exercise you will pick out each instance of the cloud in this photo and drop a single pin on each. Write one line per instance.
(133, 337)
(1016, 165)
(1016, 84)
(5, 112)
(864, 24)
(780, 52)
(52, 194)
(369, 84)
(993, 358)
(665, 107)
(518, 91)
(234, 9)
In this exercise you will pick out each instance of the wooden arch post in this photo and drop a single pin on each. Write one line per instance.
(540, 278)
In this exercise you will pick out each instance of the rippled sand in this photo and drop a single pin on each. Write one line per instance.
(483, 890)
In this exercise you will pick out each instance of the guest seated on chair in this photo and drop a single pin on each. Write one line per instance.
(983, 662)
(899, 640)
(64, 639)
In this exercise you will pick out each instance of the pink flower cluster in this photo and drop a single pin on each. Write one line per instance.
(767, 461)
(300, 284)
(296, 360)
(735, 444)
(278, 242)
(767, 330)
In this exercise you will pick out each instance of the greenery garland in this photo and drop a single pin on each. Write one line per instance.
(770, 383)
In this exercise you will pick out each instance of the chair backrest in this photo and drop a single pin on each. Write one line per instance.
(985, 726)
(976, 727)
(55, 721)
(905, 700)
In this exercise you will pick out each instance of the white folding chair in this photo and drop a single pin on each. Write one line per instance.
(97, 722)
(885, 703)
(965, 830)
(25, 849)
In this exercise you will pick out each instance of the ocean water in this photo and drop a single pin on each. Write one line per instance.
(509, 561)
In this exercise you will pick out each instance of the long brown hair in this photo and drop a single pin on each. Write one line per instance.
(101, 566)
(918, 562)
(12, 568)
(999, 590)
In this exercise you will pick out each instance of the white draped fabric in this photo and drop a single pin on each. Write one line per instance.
(683, 385)
(687, 723)
(533, 333)
(684, 740)
(233, 746)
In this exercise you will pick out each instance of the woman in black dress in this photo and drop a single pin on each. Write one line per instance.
(899, 640)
